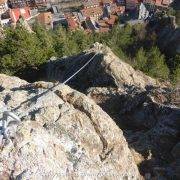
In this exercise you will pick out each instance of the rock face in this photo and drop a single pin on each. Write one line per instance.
(141, 106)
(167, 32)
(63, 134)
(106, 69)
(149, 127)
(169, 40)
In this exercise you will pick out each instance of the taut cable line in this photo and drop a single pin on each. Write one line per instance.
(4, 121)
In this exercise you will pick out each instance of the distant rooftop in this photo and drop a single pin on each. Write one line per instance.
(90, 3)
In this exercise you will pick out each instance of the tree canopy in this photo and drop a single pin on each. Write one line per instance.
(21, 49)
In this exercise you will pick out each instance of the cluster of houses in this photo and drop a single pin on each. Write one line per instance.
(96, 15)
(93, 15)
(14, 11)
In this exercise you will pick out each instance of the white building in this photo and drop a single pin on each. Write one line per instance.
(143, 12)
(4, 16)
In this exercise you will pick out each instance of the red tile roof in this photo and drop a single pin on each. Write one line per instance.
(72, 21)
(158, 2)
(103, 23)
(120, 9)
(72, 24)
(15, 14)
(111, 20)
(91, 12)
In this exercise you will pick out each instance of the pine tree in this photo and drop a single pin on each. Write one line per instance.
(45, 39)
(19, 50)
(176, 76)
(141, 60)
(156, 66)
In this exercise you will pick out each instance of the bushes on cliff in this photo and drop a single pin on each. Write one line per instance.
(156, 66)
(20, 49)
(176, 76)
(152, 63)
(176, 70)
(178, 17)
(141, 60)
(45, 40)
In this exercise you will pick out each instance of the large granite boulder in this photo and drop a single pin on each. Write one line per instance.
(63, 134)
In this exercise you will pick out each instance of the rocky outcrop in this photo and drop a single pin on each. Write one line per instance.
(106, 70)
(141, 106)
(63, 134)
(168, 34)
(169, 40)
(66, 133)
(150, 127)
(145, 109)
(150, 122)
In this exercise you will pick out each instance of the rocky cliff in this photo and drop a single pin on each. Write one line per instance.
(106, 70)
(167, 35)
(121, 119)
(169, 39)
(145, 109)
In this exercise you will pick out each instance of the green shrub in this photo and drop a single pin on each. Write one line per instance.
(21, 49)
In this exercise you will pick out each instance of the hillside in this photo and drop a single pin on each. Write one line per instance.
(118, 124)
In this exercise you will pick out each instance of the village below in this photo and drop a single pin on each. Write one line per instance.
(144, 33)
(88, 15)
(89, 89)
